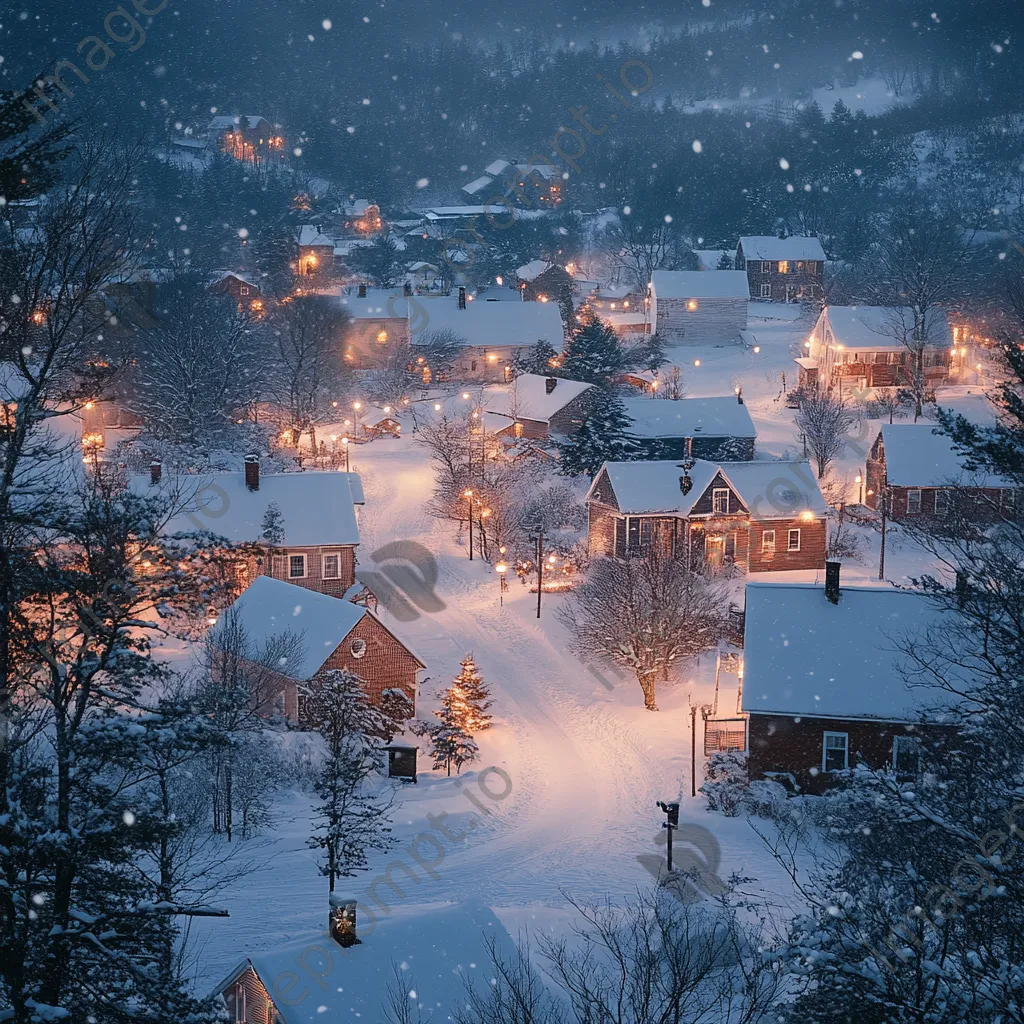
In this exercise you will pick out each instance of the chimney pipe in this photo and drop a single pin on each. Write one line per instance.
(156, 468)
(341, 920)
(252, 472)
(462, 298)
(362, 292)
(550, 384)
(832, 581)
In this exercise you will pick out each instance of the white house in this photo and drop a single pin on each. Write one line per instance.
(693, 307)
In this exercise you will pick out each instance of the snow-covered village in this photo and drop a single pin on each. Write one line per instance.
(511, 515)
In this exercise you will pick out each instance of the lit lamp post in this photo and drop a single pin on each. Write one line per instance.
(344, 444)
(357, 406)
(501, 568)
(468, 495)
(859, 481)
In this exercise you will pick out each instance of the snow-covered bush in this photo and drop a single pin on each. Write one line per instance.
(726, 783)
(765, 798)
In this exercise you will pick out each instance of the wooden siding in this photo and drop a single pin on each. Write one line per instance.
(314, 579)
(715, 320)
(248, 988)
(601, 529)
(570, 417)
(363, 350)
(705, 504)
(813, 543)
(802, 282)
(794, 744)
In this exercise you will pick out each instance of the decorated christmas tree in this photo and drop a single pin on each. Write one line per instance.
(475, 696)
(450, 742)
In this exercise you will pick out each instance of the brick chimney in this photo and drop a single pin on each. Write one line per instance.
(550, 383)
(341, 920)
(832, 581)
(462, 298)
(252, 472)
(362, 291)
(156, 468)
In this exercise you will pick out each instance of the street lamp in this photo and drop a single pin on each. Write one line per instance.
(501, 568)
(357, 406)
(859, 481)
(468, 495)
(344, 444)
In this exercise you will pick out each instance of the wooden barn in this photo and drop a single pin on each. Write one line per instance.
(317, 518)
(870, 347)
(693, 307)
(714, 429)
(332, 634)
(756, 516)
(825, 681)
(782, 269)
(920, 473)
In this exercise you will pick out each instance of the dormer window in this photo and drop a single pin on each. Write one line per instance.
(720, 500)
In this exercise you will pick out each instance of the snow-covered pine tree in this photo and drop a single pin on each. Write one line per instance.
(475, 696)
(351, 817)
(603, 437)
(272, 527)
(595, 354)
(537, 360)
(450, 742)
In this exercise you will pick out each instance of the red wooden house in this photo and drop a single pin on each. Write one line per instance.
(920, 473)
(334, 634)
(782, 269)
(825, 681)
(758, 516)
(540, 406)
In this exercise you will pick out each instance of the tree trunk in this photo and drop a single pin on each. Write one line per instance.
(647, 682)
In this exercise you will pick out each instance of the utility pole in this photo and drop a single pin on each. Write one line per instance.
(693, 750)
(672, 823)
(468, 495)
(539, 539)
(883, 505)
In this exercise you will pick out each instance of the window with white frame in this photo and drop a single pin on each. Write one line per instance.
(296, 567)
(720, 500)
(906, 755)
(793, 541)
(332, 565)
(914, 502)
(835, 752)
(766, 291)
(768, 542)
(358, 647)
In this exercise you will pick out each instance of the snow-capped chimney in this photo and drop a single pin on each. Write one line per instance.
(550, 383)
(252, 472)
(362, 292)
(156, 468)
(341, 920)
(462, 298)
(832, 581)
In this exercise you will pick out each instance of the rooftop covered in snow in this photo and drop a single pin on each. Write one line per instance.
(490, 324)
(804, 655)
(689, 417)
(916, 455)
(881, 327)
(529, 397)
(700, 284)
(768, 247)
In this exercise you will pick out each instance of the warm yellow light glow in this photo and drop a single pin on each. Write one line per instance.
(696, 362)
(551, 559)
(543, 298)
(437, 407)
(465, 394)
(467, 494)
(89, 405)
(387, 408)
(691, 305)
(654, 385)
(344, 440)
(498, 280)
(501, 568)
(357, 405)
(382, 336)
(492, 359)
(757, 348)
(808, 515)
(38, 316)
(613, 305)
(856, 479)
(625, 305)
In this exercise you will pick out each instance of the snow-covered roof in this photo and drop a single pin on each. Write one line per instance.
(803, 655)
(317, 508)
(768, 247)
(344, 248)
(222, 122)
(708, 259)
(377, 304)
(532, 270)
(477, 184)
(222, 275)
(490, 324)
(689, 417)
(448, 212)
(527, 397)
(497, 166)
(699, 284)
(769, 490)
(310, 234)
(440, 947)
(884, 327)
(917, 456)
(269, 608)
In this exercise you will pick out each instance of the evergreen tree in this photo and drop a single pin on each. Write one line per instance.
(450, 742)
(475, 696)
(539, 360)
(725, 262)
(351, 819)
(595, 354)
(272, 527)
(603, 437)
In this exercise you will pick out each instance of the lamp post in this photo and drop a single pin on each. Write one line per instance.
(468, 495)
(538, 538)
(859, 481)
(357, 406)
(671, 823)
(344, 444)
(501, 568)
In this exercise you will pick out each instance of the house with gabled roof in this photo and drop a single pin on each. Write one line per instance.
(248, 137)
(695, 307)
(782, 269)
(330, 634)
(317, 549)
(716, 429)
(825, 680)
(539, 406)
(757, 516)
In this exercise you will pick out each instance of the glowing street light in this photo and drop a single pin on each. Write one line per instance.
(344, 444)
(859, 481)
(468, 495)
(501, 568)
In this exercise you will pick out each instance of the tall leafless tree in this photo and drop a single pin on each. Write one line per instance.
(824, 419)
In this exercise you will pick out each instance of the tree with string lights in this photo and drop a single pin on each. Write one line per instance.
(474, 696)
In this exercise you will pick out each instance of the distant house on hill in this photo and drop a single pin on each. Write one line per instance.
(330, 634)
(241, 286)
(316, 253)
(540, 406)
(758, 516)
(247, 137)
(380, 322)
(921, 473)
(317, 511)
(717, 429)
(520, 182)
(870, 347)
(694, 307)
(782, 269)
(824, 682)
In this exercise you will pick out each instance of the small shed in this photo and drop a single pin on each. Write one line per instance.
(402, 760)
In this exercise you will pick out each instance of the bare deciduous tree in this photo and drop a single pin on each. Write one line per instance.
(639, 248)
(824, 419)
(645, 614)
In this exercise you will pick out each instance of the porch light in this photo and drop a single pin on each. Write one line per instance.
(807, 516)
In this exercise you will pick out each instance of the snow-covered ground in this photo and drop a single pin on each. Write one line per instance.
(563, 797)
